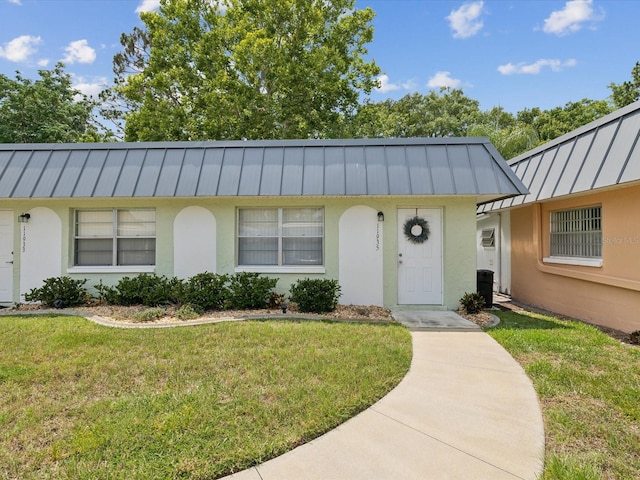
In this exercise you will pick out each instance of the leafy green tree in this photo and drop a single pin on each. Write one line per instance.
(447, 113)
(550, 124)
(510, 140)
(626, 92)
(47, 110)
(202, 69)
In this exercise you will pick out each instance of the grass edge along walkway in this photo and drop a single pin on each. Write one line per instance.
(84, 401)
(589, 389)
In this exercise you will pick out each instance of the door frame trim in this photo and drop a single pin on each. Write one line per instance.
(440, 210)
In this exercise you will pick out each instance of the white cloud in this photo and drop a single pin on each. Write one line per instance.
(79, 51)
(536, 67)
(148, 6)
(571, 17)
(17, 2)
(465, 21)
(410, 84)
(90, 88)
(20, 48)
(443, 79)
(43, 62)
(385, 85)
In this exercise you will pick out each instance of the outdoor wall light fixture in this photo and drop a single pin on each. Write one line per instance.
(24, 218)
(380, 217)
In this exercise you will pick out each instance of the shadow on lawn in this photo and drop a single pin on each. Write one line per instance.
(510, 320)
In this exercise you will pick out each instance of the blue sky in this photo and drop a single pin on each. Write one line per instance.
(511, 53)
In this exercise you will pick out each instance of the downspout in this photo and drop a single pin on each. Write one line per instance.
(499, 259)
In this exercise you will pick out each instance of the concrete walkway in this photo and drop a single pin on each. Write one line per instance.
(466, 410)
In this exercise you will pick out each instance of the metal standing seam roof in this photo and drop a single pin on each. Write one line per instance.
(601, 154)
(418, 166)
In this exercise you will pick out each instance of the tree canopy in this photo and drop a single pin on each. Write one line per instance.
(626, 92)
(47, 110)
(202, 69)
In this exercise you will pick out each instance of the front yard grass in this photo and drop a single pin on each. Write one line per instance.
(82, 401)
(589, 389)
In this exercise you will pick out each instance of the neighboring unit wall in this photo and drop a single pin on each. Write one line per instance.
(496, 258)
(608, 295)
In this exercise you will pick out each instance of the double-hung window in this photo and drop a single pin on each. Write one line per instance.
(116, 237)
(576, 233)
(280, 237)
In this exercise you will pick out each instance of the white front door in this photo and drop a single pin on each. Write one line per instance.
(420, 260)
(6, 256)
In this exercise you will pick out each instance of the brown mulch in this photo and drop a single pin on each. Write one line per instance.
(128, 314)
(481, 319)
(342, 312)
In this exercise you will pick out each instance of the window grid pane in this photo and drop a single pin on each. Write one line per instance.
(280, 236)
(576, 233)
(115, 237)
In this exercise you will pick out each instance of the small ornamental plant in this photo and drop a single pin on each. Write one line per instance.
(472, 302)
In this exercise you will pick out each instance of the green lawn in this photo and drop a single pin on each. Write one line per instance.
(81, 401)
(589, 388)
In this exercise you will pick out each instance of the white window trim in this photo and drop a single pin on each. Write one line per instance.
(115, 237)
(582, 261)
(114, 269)
(280, 269)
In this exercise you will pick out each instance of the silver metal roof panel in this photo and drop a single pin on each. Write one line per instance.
(441, 170)
(419, 172)
(632, 168)
(620, 151)
(417, 166)
(334, 173)
(601, 154)
(355, 171)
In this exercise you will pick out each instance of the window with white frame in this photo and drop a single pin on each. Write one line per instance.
(576, 233)
(280, 236)
(116, 237)
(489, 237)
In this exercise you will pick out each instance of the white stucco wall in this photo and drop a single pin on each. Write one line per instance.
(194, 242)
(497, 258)
(360, 257)
(40, 248)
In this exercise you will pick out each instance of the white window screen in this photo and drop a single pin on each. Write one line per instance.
(577, 233)
(280, 236)
(115, 237)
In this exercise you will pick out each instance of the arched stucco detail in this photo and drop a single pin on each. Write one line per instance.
(40, 249)
(360, 257)
(194, 242)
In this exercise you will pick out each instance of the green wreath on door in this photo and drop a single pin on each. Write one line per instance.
(416, 230)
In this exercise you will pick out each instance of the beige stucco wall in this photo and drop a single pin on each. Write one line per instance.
(608, 295)
(459, 252)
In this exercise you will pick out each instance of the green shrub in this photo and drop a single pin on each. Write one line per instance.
(188, 312)
(276, 300)
(146, 289)
(472, 302)
(207, 291)
(150, 314)
(250, 291)
(315, 295)
(59, 292)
